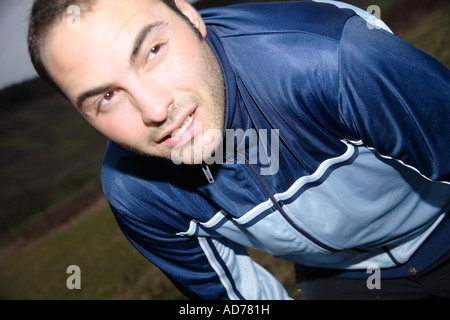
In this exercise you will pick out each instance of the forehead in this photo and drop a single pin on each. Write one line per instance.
(109, 15)
(116, 8)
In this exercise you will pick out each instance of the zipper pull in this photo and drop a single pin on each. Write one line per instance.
(207, 173)
(411, 269)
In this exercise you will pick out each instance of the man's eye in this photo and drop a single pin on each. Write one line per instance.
(107, 97)
(154, 51)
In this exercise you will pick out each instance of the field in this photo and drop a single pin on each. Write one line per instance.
(53, 213)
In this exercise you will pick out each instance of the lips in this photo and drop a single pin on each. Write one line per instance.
(183, 126)
(182, 131)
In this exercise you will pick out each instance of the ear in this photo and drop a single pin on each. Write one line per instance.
(192, 15)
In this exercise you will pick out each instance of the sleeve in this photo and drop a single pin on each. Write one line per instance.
(395, 99)
(201, 267)
(150, 212)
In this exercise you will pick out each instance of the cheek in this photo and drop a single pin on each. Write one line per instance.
(184, 68)
(178, 75)
(121, 128)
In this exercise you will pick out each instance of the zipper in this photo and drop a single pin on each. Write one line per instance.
(282, 212)
(207, 173)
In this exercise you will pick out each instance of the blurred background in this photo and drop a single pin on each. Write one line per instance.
(52, 210)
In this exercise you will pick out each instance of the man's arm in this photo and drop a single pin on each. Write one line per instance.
(395, 98)
(201, 267)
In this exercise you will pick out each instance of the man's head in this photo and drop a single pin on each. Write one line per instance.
(138, 70)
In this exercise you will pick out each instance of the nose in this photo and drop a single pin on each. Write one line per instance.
(152, 102)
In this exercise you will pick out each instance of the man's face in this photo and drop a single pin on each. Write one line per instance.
(140, 75)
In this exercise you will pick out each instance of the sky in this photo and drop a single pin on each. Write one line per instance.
(15, 64)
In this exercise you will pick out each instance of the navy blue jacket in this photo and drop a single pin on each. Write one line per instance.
(359, 119)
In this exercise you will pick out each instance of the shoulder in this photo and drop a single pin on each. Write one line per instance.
(251, 18)
(140, 184)
(128, 177)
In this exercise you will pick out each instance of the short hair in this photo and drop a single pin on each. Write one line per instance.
(44, 15)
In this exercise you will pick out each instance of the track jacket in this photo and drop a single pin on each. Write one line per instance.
(350, 168)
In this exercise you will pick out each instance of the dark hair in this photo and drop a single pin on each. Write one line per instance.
(44, 15)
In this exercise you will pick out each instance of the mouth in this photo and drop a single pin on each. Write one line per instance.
(182, 131)
(186, 123)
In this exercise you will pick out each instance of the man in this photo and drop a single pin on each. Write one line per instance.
(294, 128)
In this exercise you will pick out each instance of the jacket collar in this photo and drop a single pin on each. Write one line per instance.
(234, 117)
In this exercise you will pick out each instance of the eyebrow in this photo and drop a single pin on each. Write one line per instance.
(139, 40)
(142, 36)
(91, 93)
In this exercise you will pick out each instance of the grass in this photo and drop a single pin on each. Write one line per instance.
(432, 35)
(110, 267)
(44, 146)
